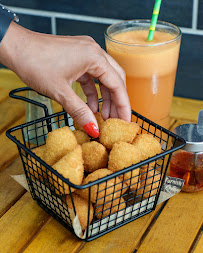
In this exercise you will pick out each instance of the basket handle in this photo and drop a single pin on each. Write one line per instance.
(12, 94)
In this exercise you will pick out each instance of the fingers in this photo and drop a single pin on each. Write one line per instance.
(87, 83)
(116, 66)
(110, 78)
(113, 112)
(79, 111)
(106, 98)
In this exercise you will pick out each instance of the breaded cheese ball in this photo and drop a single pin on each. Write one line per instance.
(148, 182)
(115, 130)
(70, 167)
(81, 207)
(35, 168)
(147, 145)
(81, 137)
(59, 142)
(99, 119)
(78, 127)
(110, 207)
(122, 156)
(102, 192)
(94, 155)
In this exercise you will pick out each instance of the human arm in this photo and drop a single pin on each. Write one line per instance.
(50, 64)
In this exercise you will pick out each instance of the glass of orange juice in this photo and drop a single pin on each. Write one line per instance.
(150, 66)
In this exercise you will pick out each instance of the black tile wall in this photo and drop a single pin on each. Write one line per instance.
(177, 12)
(72, 27)
(189, 81)
(200, 15)
(35, 23)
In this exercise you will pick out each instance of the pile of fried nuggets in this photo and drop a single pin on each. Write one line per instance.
(73, 154)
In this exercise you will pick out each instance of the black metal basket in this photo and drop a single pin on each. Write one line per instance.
(118, 201)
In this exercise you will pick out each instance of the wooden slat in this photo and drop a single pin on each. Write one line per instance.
(54, 238)
(10, 190)
(177, 225)
(181, 122)
(20, 224)
(56, 107)
(3, 94)
(199, 246)
(171, 123)
(184, 108)
(10, 80)
(10, 111)
(122, 240)
(8, 149)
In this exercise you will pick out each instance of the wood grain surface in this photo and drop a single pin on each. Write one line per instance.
(25, 227)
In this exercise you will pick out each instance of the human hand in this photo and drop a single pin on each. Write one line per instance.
(50, 64)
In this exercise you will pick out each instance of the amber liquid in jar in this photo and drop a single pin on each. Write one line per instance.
(188, 166)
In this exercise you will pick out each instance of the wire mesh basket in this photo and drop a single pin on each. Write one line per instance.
(107, 203)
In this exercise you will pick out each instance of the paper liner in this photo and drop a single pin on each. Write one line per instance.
(170, 187)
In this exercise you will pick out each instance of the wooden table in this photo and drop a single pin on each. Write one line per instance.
(173, 227)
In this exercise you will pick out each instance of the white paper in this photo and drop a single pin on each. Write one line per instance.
(170, 187)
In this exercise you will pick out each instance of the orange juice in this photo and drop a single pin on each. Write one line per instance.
(150, 69)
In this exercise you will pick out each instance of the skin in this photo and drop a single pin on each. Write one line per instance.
(50, 64)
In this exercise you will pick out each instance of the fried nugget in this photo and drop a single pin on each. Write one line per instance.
(94, 155)
(78, 127)
(70, 167)
(102, 192)
(115, 130)
(81, 207)
(110, 207)
(148, 182)
(35, 168)
(81, 137)
(99, 119)
(122, 156)
(147, 145)
(59, 142)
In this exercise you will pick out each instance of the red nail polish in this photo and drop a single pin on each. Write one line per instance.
(91, 129)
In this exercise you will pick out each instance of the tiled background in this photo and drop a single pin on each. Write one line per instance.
(92, 17)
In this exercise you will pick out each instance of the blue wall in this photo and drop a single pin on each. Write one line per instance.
(92, 17)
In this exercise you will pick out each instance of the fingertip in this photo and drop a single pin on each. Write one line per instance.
(91, 129)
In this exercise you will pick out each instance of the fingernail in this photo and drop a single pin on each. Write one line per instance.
(91, 129)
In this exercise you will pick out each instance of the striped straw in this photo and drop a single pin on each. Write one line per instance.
(155, 15)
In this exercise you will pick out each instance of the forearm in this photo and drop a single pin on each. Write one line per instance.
(50, 64)
(12, 45)
(8, 32)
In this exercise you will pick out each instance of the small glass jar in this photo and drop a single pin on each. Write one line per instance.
(187, 163)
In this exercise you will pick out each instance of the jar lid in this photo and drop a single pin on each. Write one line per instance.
(193, 137)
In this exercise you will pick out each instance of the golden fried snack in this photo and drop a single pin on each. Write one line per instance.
(115, 130)
(148, 182)
(59, 142)
(110, 207)
(81, 207)
(147, 145)
(94, 155)
(102, 192)
(70, 167)
(78, 127)
(99, 119)
(122, 156)
(35, 168)
(81, 137)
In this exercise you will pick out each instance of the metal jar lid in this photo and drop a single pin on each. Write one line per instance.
(193, 137)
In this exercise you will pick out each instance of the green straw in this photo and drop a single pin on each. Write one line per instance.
(155, 15)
